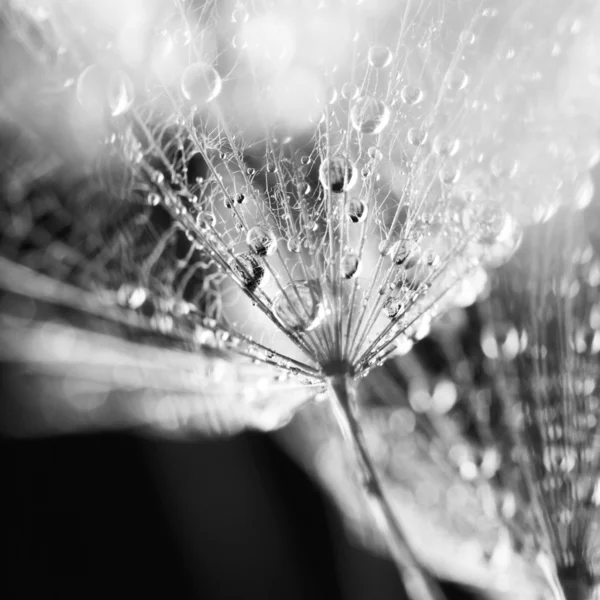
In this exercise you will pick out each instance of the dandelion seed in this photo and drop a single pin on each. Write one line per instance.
(205, 196)
(369, 115)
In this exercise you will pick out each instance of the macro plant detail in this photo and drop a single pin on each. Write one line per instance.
(486, 435)
(304, 186)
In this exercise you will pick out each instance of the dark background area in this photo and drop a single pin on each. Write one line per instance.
(121, 515)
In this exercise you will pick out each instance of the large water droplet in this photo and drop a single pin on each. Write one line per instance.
(200, 83)
(262, 242)
(337, 173)
(369, 115)
(249, 270)
(298, 307)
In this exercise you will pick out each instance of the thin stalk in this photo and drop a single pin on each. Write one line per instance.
(418, 583)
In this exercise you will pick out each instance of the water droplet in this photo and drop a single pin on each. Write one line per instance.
(449, 173)
(294, 244)
(262, 242)
(457, 80)
(350, 265)
(374, 153)
(337, 173)
(206, 220)
(392, 307)
(120, 93)
(349, 91)
(492, 220)
(331, 95)
(298, 306)
(200, 83)
(379, 56)
(443, 145)
(406, 253)
(411, 95)
(417, 136)
(249, 270)
(356, 210)
(369, 115)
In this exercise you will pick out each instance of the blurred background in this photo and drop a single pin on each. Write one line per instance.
(123, 515)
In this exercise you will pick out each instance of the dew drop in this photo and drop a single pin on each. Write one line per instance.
(492, 221)
(206, 220)
(249, 270)
(379, 56)
(350, 265)
(338, 174)
(456, 80)
(392, 307)
(417, 136)
(294, 244)
(406, 253)
(200, 83)
(449, 173)
(443, 145)
(369, 115)
(374, 153)
(262, 242)
(356, 210)
(411, 95)
(349, 91)
(298, 306)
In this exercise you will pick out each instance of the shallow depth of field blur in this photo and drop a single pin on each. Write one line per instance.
(209, 211)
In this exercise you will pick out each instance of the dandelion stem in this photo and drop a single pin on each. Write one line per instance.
(418, 583)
